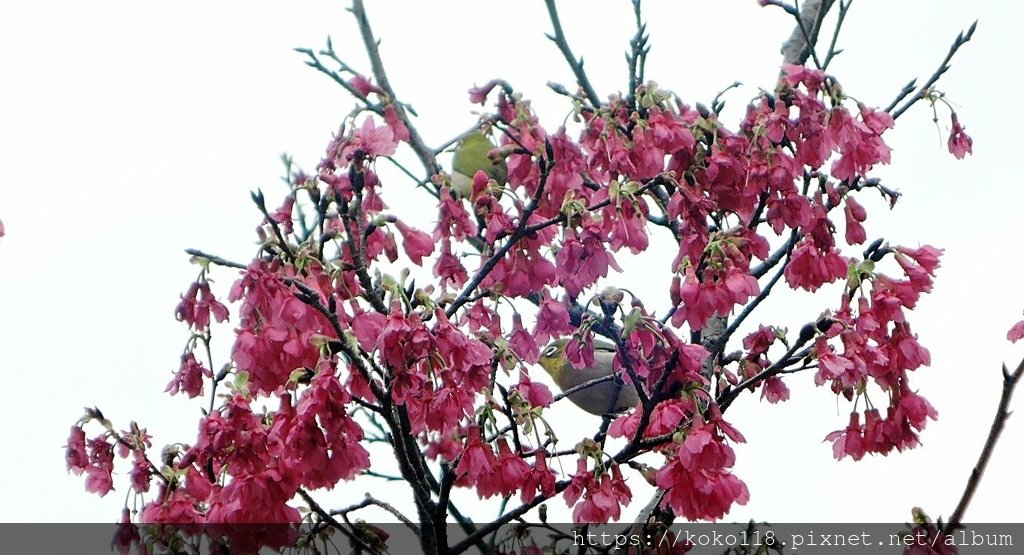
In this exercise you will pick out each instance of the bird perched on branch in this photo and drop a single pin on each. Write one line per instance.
(595, 399)
(471, 156)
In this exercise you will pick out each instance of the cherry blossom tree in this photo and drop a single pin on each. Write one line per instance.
(359, 335)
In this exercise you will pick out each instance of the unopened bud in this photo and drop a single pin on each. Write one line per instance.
(807, 333)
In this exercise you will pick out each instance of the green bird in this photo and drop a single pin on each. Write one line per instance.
(471, 156)
(595, 399)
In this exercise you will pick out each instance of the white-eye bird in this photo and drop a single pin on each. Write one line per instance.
(595, 399)
(470, 157)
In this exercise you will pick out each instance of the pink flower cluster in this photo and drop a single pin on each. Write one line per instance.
(878, 346)
(330, 336)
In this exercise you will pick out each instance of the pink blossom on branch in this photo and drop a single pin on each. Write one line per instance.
(328, 355)
(417, 243)
(198, 304)
(368, 141)
(189, 377)
(960, 143)
(697, 479)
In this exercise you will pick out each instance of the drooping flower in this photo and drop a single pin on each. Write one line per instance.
(99, 472)
(581, 261)
(960, 143)
(75, 455)
(172, 506)
(535, 393)
(810, 268)
(395, 123)
(189, 377)
(696, 477)
(196, 306)
(127, 534)
(539, 478)
(448, 269)
(552, 321)
(849, 441)
(417, 243)
(477, 458)
(508, 474)
(855, 216)
(522, 342)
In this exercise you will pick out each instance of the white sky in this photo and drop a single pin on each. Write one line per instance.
(133, 130)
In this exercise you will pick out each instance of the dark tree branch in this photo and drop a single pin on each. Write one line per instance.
(844, 7)
(637, 56)
(960, 40)
(257, 199)
(1010, 382)
(765, 266)
(333, 522)
(576, 64)
(522, 230)
(726, 397)
(315, 63)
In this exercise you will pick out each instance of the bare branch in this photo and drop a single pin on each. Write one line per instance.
(1010, 382)
(960, 40)
(315, 63)
(370, 500)
(326, 517)
(637, 55)
(844, 7)
(576, 64)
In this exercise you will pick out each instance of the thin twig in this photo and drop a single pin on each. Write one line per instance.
(522, 230)
(576, 64)
(960, 40)
(315, 63)
(810, 36)
(257, 199)
(215, 259)
(726, 397)
(370, 500)
(327, 517)
(637, 56)
(844, 7)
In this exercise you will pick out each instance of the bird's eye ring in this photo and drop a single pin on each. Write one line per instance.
(550, 351)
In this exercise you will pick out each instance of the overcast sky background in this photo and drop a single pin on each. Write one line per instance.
(130, 131)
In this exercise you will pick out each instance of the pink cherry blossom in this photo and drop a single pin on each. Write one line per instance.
(417, 243)
(189, 377)
(368, 141)
(960, 143)
(850, 441)
(196, 306)
(76, 456)
(1016, 332)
